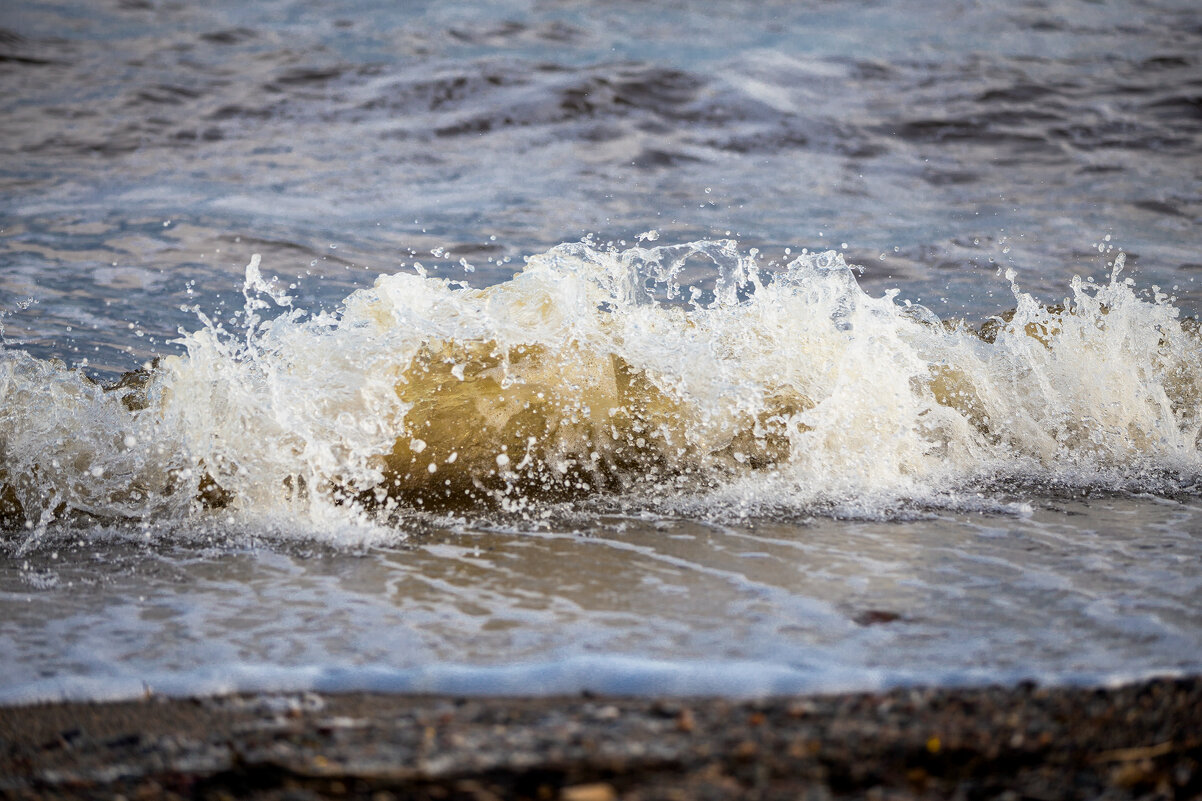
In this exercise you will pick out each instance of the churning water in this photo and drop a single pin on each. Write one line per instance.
(539, 347)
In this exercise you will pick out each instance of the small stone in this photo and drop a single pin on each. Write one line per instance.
(599, 791)
(1132, 774)
(799, 709)
(746, 750)
(608, 713)
(875, 617)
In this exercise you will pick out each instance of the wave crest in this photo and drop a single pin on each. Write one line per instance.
(668, 374)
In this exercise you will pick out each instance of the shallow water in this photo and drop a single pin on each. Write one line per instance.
(1084, 591)
(801, 412)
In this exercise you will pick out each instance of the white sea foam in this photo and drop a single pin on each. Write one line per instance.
(612, 676)
(677, 375)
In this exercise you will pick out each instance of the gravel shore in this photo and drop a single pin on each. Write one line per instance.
(1138, 741)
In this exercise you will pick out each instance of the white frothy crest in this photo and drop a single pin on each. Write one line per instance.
(673, 375)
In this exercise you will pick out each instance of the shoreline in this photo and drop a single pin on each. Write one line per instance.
(1133, 741)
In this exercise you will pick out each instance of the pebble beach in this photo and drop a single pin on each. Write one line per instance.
(1141, 740)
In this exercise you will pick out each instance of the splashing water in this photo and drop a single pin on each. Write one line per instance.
(671, 377)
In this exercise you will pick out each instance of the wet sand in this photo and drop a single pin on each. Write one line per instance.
(1138, 741)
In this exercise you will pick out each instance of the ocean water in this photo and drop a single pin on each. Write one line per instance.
(540, 347)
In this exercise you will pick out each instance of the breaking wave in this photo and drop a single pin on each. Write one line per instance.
(670, 377)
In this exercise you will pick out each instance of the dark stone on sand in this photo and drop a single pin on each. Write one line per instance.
(1142, 740)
